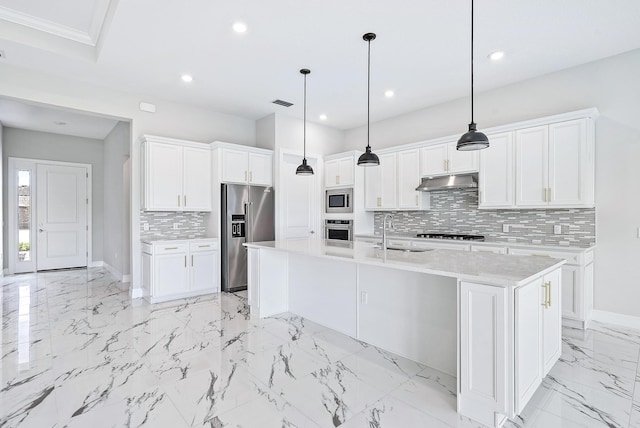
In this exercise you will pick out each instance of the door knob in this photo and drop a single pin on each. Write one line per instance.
(41, 230)
(312, 232)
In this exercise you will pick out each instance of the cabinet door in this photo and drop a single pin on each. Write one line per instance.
(568, 164)
(552, 322)
(532, 164)
(197, 179)
(408, 178)
(345, 171)
(461, 161)
(204, 270)
(528, 341)
(433, 160)
(570, 292)
(261, 169)
(484, 358)
(235, 166)
(372, 191)
(170, 274)
(332, 172)
(496, 173)
(163, 177)
(388, 180)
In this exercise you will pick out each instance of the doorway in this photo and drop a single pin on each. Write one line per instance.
(49, 215)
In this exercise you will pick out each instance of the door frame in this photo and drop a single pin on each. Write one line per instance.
(12, 187)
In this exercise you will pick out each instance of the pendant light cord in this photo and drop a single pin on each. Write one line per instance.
(304, 126)
(368, 91)
(472, 61)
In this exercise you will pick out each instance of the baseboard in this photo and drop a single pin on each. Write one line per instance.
(113, 271)
(98, 263)
(617, 319)
(136, 293)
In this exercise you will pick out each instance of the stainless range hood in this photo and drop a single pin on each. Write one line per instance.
(446, 182)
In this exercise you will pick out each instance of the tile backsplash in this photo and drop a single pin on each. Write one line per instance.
(456, 211)
(190, 225)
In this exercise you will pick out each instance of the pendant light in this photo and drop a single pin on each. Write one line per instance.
(368, 158)
(304, 169)
(472, 140)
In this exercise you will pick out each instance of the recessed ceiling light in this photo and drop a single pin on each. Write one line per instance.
(389, 93)
(323, 117)
(240, 27)
(60, 123)
(187, 78)
(497, 55)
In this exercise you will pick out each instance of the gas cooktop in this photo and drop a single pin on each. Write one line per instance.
(454, 236)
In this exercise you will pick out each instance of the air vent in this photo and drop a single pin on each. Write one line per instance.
(283, 103)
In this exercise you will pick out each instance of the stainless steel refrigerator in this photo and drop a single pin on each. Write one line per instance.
(247, 216)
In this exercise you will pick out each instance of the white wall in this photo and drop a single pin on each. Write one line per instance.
(613, 86)
(116, 153)
(170, 120)
(321, 139)
(21, 143)
(2, 209)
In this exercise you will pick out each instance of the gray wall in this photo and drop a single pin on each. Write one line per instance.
(116, 219)
(21, 143)
(612, 85)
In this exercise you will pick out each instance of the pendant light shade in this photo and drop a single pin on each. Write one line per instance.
(472, 140)
(368, 158)
(304, 169)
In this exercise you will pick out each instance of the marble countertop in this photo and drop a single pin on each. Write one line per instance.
(174, 240)
(492, 243)
(489, 268)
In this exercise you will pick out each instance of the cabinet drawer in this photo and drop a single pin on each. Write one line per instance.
(489, 249)
(195, 247)
(170, 248)
(147, 248)
(460, 247)
(571, 258)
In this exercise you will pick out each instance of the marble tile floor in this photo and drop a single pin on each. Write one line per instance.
(78, 352)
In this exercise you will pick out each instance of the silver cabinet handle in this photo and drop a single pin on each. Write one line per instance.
(178, 200)
(250, 175)
(185, 200)
(191, 260)
(185, 261)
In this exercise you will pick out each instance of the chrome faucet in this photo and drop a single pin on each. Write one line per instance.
(387, 218)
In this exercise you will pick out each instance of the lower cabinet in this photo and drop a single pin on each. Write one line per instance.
(507, 338)
(178, 269)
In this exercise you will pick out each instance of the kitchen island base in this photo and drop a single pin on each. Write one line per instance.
(498, 341)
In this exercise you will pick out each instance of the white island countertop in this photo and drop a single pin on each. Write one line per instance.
(489, 268)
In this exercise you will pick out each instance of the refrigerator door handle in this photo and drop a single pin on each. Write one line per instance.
(249, 221)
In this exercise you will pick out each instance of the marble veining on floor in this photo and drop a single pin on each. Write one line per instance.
(78, 352)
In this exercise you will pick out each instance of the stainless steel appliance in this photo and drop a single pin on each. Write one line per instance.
(338, 229)
(247, 215)
(339, 201)
(445, 182)
(452, 236)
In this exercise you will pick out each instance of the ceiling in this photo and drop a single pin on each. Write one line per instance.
(421, 53)
(35, 117)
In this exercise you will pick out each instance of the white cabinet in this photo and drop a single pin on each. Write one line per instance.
(408, 179)
(496, 177)
(339, 172)
(178, 269)
(554, 165)
(442, 159)
(380, 184)
(551, 320)
(246, 166)
(489, 249)
(177, 176)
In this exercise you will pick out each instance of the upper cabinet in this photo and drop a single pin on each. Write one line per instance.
(339, 172)
(177, 175)
(408, 179)
(496, 180)
(440, 159)
(380, 184)
(555, 165)
(246, 165)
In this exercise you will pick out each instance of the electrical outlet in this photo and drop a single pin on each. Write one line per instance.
(176, 226)
(364, 297)
(505, 228)
(145, 226)
(557, 229)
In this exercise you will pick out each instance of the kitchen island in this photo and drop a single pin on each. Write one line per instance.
(491, 320)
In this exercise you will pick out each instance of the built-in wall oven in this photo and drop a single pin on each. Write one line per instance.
(338, 229)
(339, 201)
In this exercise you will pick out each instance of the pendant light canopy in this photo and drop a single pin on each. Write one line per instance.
(304, 169)
(368, 158)
(472, 140)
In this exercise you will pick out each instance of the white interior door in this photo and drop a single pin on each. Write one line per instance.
(299, 198)
(61, 216)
